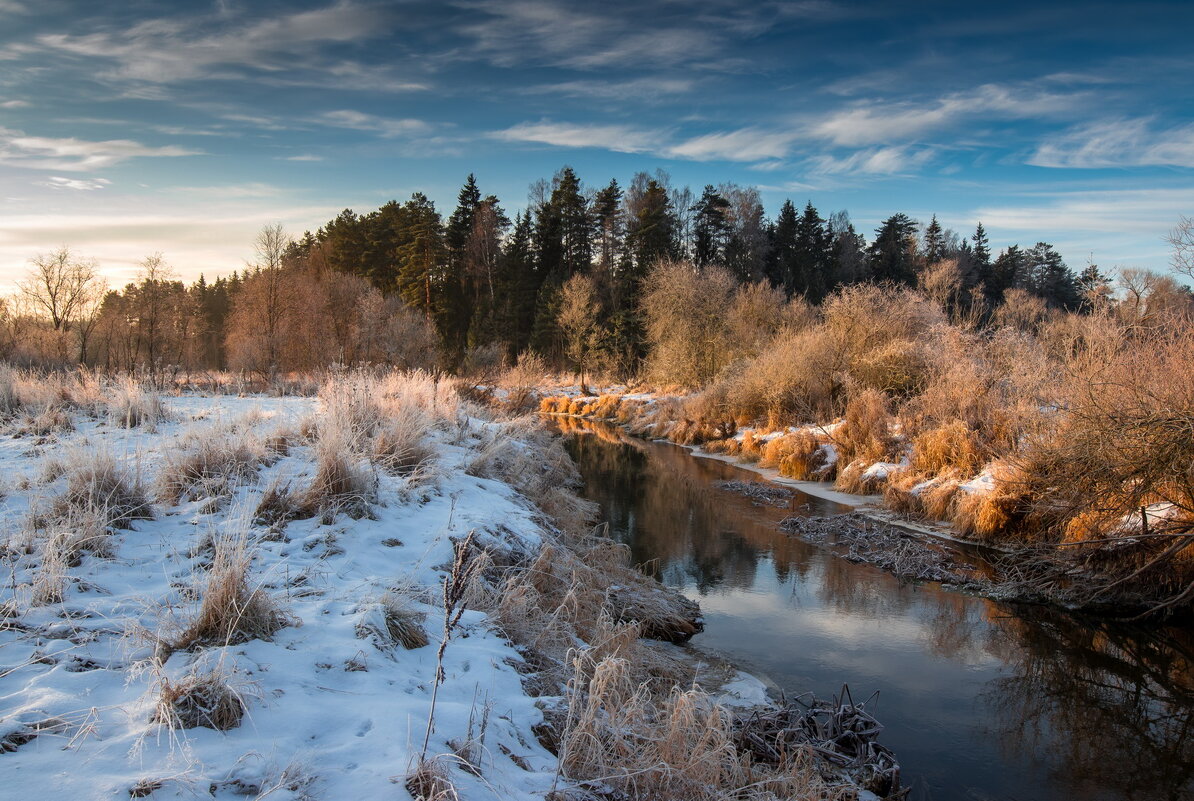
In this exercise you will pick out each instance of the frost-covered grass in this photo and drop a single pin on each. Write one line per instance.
(377, 590)
(198, 651)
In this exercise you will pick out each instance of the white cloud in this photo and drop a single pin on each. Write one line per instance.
(1119, 227)
(213, 237)
(619, 138)
(877, 123)
(248, 190)
(873, 161)
(383, 126)
(636, 88)
(14, 104)
(81, 184)
(744, 144)
(76, 155)
(170, 50)
(301, 157)
(511, 32)
(1118, 143)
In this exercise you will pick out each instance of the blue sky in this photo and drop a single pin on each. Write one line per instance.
(137, 127)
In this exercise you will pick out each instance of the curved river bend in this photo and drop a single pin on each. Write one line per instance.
(980, 700)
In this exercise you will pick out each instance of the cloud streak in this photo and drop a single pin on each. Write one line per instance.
(76, 155)
(1118, 143)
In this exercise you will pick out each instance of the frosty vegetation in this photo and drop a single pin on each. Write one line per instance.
(376, 588)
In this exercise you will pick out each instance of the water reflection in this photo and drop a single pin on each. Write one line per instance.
(981, 700)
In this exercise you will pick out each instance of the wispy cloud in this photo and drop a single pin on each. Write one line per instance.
(14, 104)
(896, 160)
(636, 88)
(618, 138)
(745, 144)
(78, 184)
(871, 123)
(76, 155)
(511, 32)
(382, 126)
(1118, 143)
(168, 50)
(233, 191)
(301, 157)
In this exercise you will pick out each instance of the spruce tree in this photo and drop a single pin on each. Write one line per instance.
(893, 253)
(934, 244)
(711, 229)
(813, 255)
(782, 260)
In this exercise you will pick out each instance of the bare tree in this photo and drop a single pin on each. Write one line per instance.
(1182, 240)
(580, 309)
(58, 283)
(272, 296)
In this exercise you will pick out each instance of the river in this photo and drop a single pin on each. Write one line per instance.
(979, 699)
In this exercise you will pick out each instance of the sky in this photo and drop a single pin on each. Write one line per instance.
(134, 128)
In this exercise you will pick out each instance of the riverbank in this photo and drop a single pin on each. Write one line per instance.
(1103, 577)
(219, 594)
(980, 699)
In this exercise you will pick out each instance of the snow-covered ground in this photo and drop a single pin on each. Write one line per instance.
(332, 710)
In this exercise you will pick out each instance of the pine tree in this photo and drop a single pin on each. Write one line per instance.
(610, 224)
(849, 263)
(982, 248)
(934, 244)
(576, 224)
(1006, 272)
(893, 253)
(519, 285)
(711, 229)
(1047, 276)
(782, 260)
(421, 258)
(813, 255)
(652, 235)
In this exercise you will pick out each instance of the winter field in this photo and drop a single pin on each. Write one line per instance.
(230, 597)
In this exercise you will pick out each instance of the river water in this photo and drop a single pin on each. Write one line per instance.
(980, 700)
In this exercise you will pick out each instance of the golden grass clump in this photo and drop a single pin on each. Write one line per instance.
(207, 467)
(199, 699)
(607, 406)
(131, 405)
(431, 781)
(866, 432)
(998, 511)
(678, 745)
(232, 610)
(524, 456)
(97, 488)
(341, 484)
(952, 447)
(401, 445)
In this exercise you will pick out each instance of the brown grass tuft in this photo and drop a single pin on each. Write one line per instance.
(232, 610)
(204, 699)
(207, 467)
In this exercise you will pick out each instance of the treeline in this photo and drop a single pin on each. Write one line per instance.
(564, 279)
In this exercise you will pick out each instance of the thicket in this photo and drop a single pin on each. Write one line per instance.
(567, 279)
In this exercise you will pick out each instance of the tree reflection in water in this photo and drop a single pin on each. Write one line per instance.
(1037, 705)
